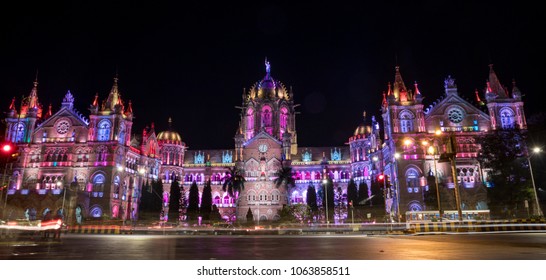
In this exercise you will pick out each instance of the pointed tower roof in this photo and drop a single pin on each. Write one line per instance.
(129, 108)
(495, 85)
(478, 99)
(49, 112)
(113, 97)
(384, 103)
(399, 85)
(12, 105)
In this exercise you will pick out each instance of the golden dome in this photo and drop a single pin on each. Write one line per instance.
(169, 136)
(363, 130)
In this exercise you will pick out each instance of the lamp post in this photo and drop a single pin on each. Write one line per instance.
(325, 182)
(538, 210)
(59, 184)
(432, 150)
(397, 186)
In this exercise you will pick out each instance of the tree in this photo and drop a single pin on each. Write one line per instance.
(312, 199)
(431, 200)
(508, 176)
(249, 216)
(328, 197)
(193, 204)
(206, 201)
(352, 192)
(234, 181)
(183, 204)
(174, 201)
(285, 179)
(362, 193)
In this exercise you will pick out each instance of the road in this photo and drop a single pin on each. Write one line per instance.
(491, 246)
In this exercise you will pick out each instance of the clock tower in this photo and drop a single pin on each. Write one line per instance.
(266, 138)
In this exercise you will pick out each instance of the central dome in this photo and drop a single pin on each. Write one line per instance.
(169, 136)
(268, 88)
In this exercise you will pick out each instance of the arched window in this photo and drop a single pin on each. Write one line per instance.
(412, 180)
(507, 118)
(98, 183)
(19, 133)
(283, 119)
(266, 119)
(103, 132)
(406, 122)
(249, 123)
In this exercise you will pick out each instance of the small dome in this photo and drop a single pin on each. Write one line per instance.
(363, 130)
(171, 136)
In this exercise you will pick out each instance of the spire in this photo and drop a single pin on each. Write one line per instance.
(49, 111)
(12, 105)
(170, 123)
(417, 92)
(495, 85)
(129, 108)
(384, 103)
(96, 100)
(399, 85)
(478, 99)
(113, 97)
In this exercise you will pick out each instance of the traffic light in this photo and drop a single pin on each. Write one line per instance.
(7, 148)
(380, 177)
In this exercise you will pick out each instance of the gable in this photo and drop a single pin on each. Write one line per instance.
(64, 126)
(454, 113)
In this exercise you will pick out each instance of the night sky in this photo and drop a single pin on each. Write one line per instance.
(191, 60)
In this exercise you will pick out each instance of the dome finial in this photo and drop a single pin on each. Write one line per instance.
(170, 122)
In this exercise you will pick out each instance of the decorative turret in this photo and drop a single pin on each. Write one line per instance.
(516, 93)
(68, 101)
(450, 86)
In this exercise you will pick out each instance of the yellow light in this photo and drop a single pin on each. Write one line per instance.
(425, 143)
(438, 132)
(537, 150)
(407, 142)
(431, 150)
(396, 155)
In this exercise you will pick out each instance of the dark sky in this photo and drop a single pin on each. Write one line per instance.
(191, 59)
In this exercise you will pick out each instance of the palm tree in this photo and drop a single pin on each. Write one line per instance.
(284, 178)
(234, 181)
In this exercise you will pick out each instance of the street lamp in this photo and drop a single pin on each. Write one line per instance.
(397, 186)
(536, 150)
(432, 150)
(325, 182)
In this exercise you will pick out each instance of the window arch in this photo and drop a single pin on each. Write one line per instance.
(266, 119)
(406, 121)
(19, 133)
(507, 118)
(412, 180)
(103, 132)
(98, 183)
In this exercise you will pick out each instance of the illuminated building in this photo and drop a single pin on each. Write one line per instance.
(99, 157)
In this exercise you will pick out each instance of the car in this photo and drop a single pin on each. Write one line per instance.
(223, 225)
